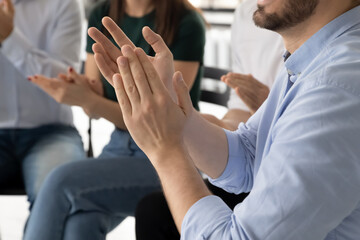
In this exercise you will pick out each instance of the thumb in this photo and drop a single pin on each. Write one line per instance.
(73, 75)
(182, 93)
(156, 42)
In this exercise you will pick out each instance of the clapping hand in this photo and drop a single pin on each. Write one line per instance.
(107, 54)
(249, 89)
(72, 89)
(153, 119)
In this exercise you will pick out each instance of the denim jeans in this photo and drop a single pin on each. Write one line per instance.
(32, 153)
(87, 199)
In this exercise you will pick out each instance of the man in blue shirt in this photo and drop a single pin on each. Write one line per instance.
(298, 154)
(36, 133)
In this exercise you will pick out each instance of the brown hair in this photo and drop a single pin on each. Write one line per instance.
(168, 15)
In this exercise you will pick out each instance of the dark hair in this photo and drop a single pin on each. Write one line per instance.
(168, 15)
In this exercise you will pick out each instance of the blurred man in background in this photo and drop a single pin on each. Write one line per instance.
(36, 133)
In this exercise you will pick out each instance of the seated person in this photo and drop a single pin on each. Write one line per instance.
(287, 154)
(37, 134)
(99, 194)
(250, 49)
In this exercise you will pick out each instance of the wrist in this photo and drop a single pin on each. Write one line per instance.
(165, 156)
(90, 103)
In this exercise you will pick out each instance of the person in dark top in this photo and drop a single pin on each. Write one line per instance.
(87, 200)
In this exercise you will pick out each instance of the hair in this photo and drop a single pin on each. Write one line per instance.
(168, 15)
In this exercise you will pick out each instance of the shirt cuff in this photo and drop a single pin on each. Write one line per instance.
(16, 46)
(205, 217)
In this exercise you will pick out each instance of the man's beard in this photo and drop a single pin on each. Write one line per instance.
(292, 13)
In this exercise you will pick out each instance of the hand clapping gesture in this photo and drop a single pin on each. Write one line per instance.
(153, 119)
(249, 89)
(71, 89)
(154, 101)
(106, 53)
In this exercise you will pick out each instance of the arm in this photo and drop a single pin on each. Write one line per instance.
(231, 119)
(207, 141)
(189, 69)
(7, 12)
(62, 50)
(300, 179)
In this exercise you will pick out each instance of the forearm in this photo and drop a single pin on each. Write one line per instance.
(207, 145)
(99, 106)
(234, 117)
(182, 184)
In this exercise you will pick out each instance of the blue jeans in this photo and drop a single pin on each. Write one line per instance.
(32, 153)
(87, 199)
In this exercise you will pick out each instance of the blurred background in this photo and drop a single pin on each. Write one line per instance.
(219, 14)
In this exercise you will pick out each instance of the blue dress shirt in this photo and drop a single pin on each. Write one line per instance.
(299, 155)
(46, 40)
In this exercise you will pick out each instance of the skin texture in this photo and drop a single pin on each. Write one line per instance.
(190, 140)
(95, 105)
(249, 89)
(7, 13)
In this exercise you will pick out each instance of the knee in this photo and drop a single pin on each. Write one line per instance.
(60, 179)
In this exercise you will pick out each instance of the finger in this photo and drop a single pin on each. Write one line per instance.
(105, 70)
(156, 85)
(121, 95)
(182, 93)
(247, 100)
(65, 78)
(137, 71)
(73, 75)
(118, 35)
(156, 42)
(48, 85)
(97, 48)
(128, 80)
(113, 51)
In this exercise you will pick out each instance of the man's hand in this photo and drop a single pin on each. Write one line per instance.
(153, 119)
(106, 53)
(7, 13)
(250, 90)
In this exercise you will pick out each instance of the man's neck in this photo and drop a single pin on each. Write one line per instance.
(296, 36)
(138, 8)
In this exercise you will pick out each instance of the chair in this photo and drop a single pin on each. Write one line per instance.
(212, 89)
(15, 188)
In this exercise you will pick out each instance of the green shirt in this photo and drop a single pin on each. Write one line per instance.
(188, 44)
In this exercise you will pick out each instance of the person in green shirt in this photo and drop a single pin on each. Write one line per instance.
(88, 199)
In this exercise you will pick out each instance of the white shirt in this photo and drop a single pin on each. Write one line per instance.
(46, 40)
(250, 54)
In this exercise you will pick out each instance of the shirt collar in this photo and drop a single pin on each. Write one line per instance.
(302, 57)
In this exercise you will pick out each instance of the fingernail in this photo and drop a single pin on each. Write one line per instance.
(71, 69)
(35, 76)
(179, 77)
(29, 79)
